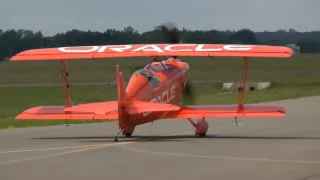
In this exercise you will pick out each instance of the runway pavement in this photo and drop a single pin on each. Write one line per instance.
(266, 148)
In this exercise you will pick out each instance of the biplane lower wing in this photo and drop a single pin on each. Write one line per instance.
(91, 112)
(58, 113)
(226, 111)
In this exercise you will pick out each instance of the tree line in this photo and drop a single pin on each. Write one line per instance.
(14, 41)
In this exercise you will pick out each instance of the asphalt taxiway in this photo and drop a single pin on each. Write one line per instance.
(264, 148)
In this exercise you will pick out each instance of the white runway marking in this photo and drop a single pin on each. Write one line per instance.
(71, 147)
(55, 148)
(65, 153)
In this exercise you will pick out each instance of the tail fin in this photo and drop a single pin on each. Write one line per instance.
(121, 89)
(121, 97)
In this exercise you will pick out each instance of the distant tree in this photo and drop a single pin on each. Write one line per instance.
(14, 41)
(245, 36)
(309, 46)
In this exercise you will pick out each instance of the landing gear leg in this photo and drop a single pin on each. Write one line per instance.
(116, 137)
(235, 119)
(190, 120)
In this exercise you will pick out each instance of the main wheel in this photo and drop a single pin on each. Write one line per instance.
(127, 131)
(201, 127)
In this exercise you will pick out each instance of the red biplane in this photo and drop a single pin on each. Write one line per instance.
(154, 91)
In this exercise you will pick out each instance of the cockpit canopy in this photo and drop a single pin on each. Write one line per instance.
(149, 75)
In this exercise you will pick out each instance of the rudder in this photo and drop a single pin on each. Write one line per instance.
(121, 97)
(121, 89)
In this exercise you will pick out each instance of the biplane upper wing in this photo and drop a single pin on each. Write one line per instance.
(136, 50)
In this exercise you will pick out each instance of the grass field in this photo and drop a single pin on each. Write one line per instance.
(292, 78)
(298, 68)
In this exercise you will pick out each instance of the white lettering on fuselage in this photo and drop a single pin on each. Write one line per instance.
(165, 97)
(155, 48)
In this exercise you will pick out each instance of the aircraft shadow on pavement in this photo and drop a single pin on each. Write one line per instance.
(172, 138)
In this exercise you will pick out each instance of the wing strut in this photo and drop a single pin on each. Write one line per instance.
(243, 83)
(66, 84)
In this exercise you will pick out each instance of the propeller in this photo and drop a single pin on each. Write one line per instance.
(172, 35)
(188, 94)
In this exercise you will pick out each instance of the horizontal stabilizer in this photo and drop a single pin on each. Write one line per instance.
(226, 111)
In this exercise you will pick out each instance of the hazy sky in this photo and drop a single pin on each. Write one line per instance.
(52, 16)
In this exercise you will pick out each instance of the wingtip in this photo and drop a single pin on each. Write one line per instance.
(175, 107)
